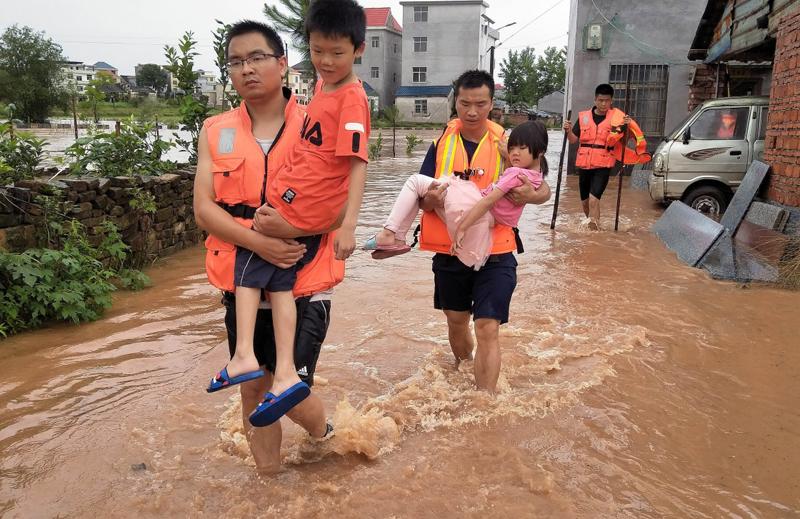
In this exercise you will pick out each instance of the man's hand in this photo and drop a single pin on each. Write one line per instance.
(525, 194)
(567, 126)
(434, 197)
(269, 222)
(502, 147)
(626, 119)
(344, 244)
(281, 253)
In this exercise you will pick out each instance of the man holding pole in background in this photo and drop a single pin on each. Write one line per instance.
(598, 132)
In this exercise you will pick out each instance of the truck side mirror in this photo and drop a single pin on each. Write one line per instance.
(687, 135)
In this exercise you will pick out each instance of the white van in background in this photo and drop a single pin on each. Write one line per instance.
(705, 158)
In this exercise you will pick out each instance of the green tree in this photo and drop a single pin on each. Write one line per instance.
(293, 24)
(220, 60)
(94, 92)
(551, 68)
(520, 80)
(193, 106)
(182, 65)
(153, 76)
(392, 116)
(30, 73)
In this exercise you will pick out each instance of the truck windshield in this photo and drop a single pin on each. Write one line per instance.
(679, 129)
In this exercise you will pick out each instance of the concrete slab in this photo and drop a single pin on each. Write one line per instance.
(744, 196)
(766, 215)
(687, 232)
(732, 260)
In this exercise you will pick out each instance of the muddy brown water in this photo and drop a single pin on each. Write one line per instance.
(632, 386)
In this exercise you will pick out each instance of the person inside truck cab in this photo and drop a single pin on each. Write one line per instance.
(727, 125)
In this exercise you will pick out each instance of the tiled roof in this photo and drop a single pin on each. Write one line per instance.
(103, 65)
(368, 88)
(381, 17)
(424, 90)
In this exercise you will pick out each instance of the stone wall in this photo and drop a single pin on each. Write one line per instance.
(91, 201)
(782, 146)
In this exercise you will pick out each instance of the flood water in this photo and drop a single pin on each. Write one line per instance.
(632, 386)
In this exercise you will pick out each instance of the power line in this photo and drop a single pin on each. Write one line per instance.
(527, 24)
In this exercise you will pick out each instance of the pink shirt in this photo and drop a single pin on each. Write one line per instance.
(504, 211)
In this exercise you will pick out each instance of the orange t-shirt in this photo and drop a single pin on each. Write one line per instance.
(311, 189)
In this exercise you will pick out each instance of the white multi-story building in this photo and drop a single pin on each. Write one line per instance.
(381, 65)
(77, 74)
(441, 39)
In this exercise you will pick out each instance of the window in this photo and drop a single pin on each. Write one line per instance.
(420, 44)
(357, 61)
(394, 77)
(721, 124)
(420, 74)
(374, 72)
(421, 13)
(79, 78)
(395, 48)
(376, 41)
(648, 95)
(421, 106)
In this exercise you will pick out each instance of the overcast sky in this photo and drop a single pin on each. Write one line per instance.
(126, 33)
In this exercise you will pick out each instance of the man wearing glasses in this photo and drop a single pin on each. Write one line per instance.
(238, 152)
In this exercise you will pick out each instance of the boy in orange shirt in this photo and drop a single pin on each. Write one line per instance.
(323, 177)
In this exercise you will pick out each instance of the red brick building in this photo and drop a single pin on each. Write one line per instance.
(737, 40)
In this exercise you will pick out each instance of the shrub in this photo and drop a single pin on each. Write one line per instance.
(133, 152)
(71, 284)
(411, 142)
(374, 149)
(20, 153)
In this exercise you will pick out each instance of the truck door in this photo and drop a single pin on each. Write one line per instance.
(717, 149)
(761, 133)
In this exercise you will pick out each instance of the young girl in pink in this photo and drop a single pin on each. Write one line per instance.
(468, 212)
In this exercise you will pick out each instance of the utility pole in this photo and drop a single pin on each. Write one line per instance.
(287, 64)
(491, 49)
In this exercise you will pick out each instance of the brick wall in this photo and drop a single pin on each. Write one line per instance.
(707, 84)
(91, 201)
(782, 147)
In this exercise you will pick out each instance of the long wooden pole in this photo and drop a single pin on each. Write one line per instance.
(624, 147)
(560, 169)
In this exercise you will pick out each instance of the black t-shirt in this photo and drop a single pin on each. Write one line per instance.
(428, 167)
(576, 128)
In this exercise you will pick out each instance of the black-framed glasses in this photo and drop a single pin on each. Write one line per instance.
(255, 61)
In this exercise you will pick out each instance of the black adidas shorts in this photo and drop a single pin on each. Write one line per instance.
(313, 319)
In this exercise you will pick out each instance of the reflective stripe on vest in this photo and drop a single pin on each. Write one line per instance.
(451, 156)
(594, 151)
(239, 168)
(638, 155)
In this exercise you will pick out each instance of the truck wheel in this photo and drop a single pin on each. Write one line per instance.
(707, 199)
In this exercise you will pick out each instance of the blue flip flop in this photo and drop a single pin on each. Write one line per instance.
(273, 407)
(222, 380)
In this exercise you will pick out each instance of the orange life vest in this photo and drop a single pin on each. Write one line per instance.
(632, 156)
(240, 172)
(451, 156)
(728, 127)
(595, 150)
